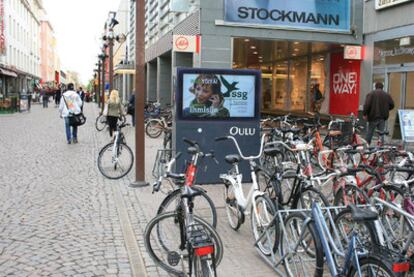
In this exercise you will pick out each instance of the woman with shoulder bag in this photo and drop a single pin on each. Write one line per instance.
(114, 111)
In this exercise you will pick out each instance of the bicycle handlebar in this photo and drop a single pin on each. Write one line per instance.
(238, 147)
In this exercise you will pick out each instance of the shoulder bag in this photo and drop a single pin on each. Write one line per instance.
(75, 119)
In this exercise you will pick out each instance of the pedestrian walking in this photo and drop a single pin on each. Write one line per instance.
(377, 106)
(131, 107)
(81, 94)
(45, 98)
(70, 104)
(317, 98)
(58, 95)
(114, 111)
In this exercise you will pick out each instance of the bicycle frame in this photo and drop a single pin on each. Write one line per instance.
(328, 244)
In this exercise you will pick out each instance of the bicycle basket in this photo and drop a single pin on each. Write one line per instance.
(346, 129)
(162, 158)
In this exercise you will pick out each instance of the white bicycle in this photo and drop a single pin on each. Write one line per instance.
(256, 203)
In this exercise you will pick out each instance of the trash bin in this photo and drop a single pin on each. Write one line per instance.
(24, 103)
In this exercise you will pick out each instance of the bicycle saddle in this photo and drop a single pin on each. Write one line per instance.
(359, 214)
(334, 133)
(190, 193)
(233, 158)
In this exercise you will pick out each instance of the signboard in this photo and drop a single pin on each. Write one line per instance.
(353, 52)
(218, 96)
(179, 6)
(183, 43)
(2, 31)
(325, 15)
(382, 4)
(24, 103)
(212, 103)
(344, 85)
(407, 125)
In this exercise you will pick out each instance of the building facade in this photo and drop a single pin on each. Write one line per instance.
(48, 54)
(20, 44)
(389, 53)
(297, 49)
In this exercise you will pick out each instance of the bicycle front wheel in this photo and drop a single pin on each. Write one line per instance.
(301, 247)
(154, 128)
(163, 243)
(100, 122)
(114, 162)
(203, 205)
(265, 229)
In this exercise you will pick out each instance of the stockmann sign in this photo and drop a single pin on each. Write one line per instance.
(315, 15)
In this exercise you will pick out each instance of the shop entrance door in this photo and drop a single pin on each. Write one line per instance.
(401, 89)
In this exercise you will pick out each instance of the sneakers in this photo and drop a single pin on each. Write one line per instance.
(75, 140)
(69, 142)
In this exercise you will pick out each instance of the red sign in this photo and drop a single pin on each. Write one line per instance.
(345, 83)
(182, 43)
(353, 52)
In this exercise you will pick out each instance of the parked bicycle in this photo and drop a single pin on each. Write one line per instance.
(115, 159)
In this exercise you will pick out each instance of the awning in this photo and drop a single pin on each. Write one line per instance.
(7, 73)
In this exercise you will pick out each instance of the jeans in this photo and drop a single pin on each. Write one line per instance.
(74, 134)
(372, 125)
(45, 101)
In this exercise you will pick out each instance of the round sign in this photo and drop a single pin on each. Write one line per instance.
(182, 43)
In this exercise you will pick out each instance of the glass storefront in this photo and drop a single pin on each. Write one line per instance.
(394, 66)
(291, 70)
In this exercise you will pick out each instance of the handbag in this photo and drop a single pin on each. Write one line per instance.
(75, 119)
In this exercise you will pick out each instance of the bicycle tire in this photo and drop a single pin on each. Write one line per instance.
(259, 227)
(304, 199)
(293, 223)
(100, 123)
(201, 267)
(354, 194)
(106, 167)
(374, 265)
(152, 130)
(175, 197)
(151, 247)
(367, 233)
(235, 215)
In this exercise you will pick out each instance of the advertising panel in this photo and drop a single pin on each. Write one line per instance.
(189, 44)
(407, 125)
(344, 87)
(324, 15)
(224, 95)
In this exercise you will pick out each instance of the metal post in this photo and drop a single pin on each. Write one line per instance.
(103, 84)
(139, 94)
(111, 62)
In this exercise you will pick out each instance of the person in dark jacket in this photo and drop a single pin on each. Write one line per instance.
(131, 107)
(377, 107)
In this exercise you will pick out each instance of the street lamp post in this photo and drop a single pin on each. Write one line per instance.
(139, 94)
(102, 57)
(98, 87)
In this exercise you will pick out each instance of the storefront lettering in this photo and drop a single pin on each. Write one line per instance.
(242, 131)
(345, 83)
(288, 16)
(397, 52)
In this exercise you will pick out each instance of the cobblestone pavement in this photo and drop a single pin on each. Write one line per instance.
(60, 217)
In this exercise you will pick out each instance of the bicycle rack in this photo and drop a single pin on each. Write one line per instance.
(296, 245)
(163, 156)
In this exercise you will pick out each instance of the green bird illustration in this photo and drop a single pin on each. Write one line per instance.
(229, 87)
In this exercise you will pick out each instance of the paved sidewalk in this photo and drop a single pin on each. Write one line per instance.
(60, 217)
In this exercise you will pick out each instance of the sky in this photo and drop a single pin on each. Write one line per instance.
(78, 27)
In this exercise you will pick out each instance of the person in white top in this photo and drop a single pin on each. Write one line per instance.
(70, 104)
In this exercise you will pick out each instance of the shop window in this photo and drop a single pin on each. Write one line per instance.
(298, 80)
(394, 51)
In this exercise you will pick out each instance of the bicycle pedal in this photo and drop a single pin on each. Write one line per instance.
(173, 258)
